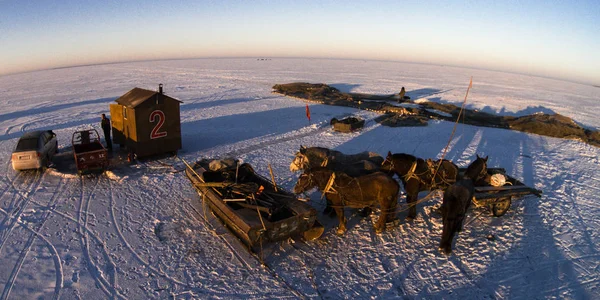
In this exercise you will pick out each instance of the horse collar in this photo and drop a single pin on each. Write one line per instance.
(329, 186)
(411, 172)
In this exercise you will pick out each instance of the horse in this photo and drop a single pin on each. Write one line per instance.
(457, 199)
(354, 164)
(416, 175)
(359, 192)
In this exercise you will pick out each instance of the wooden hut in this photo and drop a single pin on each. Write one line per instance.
(146, 122)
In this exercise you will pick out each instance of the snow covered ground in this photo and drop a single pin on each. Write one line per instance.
(139, 231)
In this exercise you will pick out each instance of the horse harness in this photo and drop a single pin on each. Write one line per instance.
(411, 172)
(304, 163)
(431, 169)
(329, 189)
(301, 159)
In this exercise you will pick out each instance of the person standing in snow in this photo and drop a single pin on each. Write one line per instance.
(105, 123)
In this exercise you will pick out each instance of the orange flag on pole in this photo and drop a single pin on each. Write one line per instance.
(308, 112)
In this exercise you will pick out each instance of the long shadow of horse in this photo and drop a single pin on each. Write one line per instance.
(530, 110)
(502, 111)
(526, 259)
(544, 270)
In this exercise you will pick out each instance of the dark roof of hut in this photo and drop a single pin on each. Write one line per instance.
(138, 96)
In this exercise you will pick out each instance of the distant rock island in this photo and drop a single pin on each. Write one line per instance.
(400, 111)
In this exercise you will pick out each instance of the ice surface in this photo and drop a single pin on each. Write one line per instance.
(141, 232)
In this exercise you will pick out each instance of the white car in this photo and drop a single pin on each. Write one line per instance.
(35, 150)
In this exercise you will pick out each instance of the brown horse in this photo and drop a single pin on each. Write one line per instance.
(345, 191)
(416, 175)
(353, 165)
(457, 199)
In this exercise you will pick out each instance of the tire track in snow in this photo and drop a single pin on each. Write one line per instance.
(13, 218)
(9, 183)
(9, 129)
(55, 257)
(108, 288)
(88, 231)
(17, 268)
(12, 185)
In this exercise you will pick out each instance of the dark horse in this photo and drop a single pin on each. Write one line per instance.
(416, 175)
(359, 192)
(352, 164)
(457, 199)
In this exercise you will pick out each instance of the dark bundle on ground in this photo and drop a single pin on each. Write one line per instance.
(550, 125)
(396, 116)
(311, 91)
(394, 120)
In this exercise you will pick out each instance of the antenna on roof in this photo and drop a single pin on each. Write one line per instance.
(160, 88)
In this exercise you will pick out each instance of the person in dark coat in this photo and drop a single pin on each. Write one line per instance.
(105, 123)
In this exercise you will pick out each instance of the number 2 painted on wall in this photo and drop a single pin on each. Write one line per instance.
(155, 134)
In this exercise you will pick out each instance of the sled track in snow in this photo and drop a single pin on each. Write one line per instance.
(471, 149)
(109, 288)
(130, 248)
(279, 140)
(202, 218)
(262, 145)
(15, 272)
(386, 261)
(309, 269)
(239, 256)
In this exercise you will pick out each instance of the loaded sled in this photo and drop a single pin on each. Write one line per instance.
(499, 198)
(252, 207)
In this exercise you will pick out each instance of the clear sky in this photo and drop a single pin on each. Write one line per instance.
(559, 39)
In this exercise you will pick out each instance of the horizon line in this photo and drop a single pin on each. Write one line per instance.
(297, 57)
